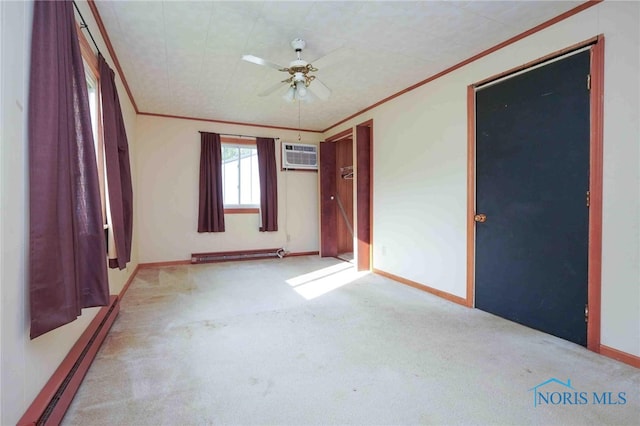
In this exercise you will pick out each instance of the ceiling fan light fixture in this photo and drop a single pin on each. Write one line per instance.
(301, 90)
(290, 95)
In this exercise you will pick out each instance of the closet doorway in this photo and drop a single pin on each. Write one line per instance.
(344, 198)
(346, 164)
(336, 189)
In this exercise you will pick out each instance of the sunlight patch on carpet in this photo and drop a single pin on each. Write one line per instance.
(322, 281)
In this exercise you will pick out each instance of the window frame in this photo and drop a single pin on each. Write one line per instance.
(239, 208)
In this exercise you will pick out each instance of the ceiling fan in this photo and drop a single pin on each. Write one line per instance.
(299, 79)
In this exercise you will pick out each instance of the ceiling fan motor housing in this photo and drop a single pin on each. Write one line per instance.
(298, 66)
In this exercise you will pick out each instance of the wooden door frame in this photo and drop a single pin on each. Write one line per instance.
(363, 193)
(596, 98)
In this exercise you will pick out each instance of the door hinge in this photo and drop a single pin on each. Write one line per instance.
(588, 81)
(586, 313)
(588, 198)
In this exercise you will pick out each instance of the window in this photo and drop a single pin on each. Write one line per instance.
(92, 74)
(94, 108)
(240, 177)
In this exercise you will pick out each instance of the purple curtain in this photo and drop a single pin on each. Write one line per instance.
(268, 184)
(211, 209)
(67, 261)
(116, 150)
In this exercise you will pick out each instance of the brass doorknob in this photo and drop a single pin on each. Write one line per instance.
(480, 218)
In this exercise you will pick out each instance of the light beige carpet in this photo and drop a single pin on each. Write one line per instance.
(303, 341)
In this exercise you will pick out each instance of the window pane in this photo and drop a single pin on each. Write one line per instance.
(240, 178)
(229, 153)
(255, 180)
(94, 111)
(93, 107)
(247, 189)
(230, 181)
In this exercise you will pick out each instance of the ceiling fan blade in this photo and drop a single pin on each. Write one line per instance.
(338, 55)
(260, 61)
(320, 89)
(273, 88)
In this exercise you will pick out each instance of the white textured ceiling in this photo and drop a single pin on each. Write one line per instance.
(183, 57)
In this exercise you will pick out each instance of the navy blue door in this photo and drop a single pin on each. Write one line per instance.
(532, 177)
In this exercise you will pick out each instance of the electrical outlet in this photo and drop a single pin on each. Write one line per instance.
(288, 238)
(384, 250)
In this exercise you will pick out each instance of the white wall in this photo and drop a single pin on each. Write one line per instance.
(419, 199)
(168, 171)
(26, 365)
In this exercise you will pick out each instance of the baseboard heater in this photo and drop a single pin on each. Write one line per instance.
(237, 255)
(54, 399)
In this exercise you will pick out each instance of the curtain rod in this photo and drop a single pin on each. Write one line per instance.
(239, 136)
(84, 26)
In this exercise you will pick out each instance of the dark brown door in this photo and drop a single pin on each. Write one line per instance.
(328, 205)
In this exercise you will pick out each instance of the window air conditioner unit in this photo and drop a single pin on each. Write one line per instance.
(298, 156)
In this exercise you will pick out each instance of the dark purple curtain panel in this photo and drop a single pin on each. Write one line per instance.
(211, 208)
(268, 183)
(67, 261)
(116, 150)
